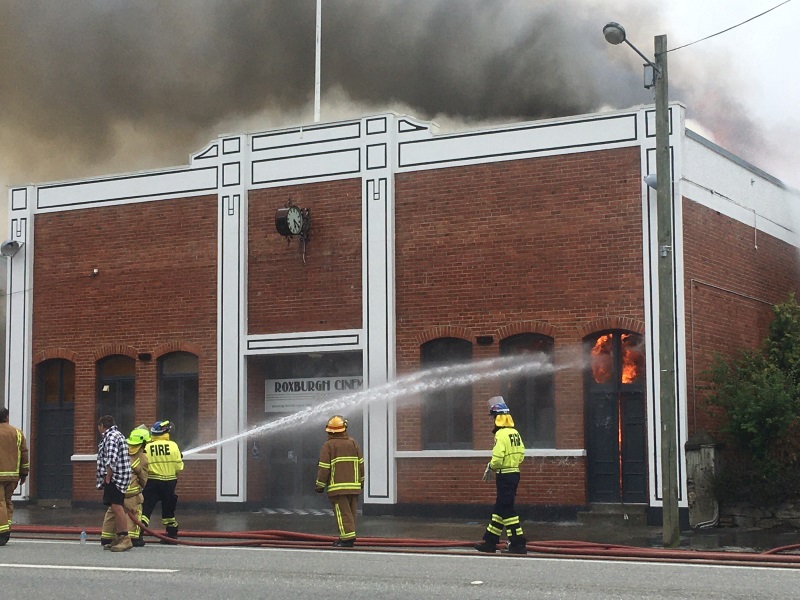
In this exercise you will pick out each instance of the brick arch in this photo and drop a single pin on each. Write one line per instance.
(441, 331)
(611, 322)
(170, 347)
(51, 353)
(539, 327)
(113, 349)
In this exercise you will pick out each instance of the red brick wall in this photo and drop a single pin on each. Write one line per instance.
(549, 245)
(325, 293)
(543, 481)
(729, 303)
(156, 291)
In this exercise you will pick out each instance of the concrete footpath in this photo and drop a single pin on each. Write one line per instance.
(321, 522)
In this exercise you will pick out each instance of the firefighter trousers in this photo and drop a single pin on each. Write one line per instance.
(505, 515)
(6, 506)
(160, 491)
(344, 511)
(109, 530)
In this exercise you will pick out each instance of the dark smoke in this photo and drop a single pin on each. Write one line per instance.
(98, 86)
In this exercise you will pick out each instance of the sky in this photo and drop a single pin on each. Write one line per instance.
(96, 87)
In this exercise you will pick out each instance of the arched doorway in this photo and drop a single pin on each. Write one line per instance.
(616, 424)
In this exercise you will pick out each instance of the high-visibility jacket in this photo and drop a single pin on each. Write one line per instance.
(341, 465)
(13, 453)
(164, 457)
(139, 466)
(508, 451)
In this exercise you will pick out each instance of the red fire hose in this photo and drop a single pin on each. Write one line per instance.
(273, 538)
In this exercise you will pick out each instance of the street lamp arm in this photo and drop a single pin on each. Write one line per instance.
(647, 60)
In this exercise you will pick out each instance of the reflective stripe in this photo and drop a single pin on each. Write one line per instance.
(339, 523)
(354, 484)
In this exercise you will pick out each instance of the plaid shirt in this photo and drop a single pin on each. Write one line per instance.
(112, 451)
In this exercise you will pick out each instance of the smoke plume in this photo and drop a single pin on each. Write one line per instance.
(99, 86)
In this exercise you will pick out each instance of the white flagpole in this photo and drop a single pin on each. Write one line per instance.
(318, 60)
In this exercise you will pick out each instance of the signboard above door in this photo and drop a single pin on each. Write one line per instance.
(292, 395)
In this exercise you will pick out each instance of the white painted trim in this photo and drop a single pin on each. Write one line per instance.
(533, 453)
(338, 340)
(191, 457)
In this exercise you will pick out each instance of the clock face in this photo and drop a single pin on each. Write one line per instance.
(294, 220)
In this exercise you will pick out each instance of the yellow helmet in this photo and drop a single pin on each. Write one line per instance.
(139, 436)
(336, 424)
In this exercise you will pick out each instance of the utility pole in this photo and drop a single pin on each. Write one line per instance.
(317, 61)
(666, 301)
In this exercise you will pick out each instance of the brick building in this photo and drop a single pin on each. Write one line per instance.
(171, 294)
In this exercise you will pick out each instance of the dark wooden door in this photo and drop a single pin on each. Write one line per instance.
(54, 446)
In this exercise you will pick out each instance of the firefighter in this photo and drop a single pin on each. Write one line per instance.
(13, 470)
(165, 461)
(341, 471)
(507, 454)
(137, 441)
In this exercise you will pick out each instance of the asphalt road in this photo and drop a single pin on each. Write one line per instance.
(43, 569)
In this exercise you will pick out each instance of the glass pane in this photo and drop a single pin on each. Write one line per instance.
(182, 363)
(116, 366)
(447, 412)
(50, 382)
(178, 402)
(68, 383)
(530, 396)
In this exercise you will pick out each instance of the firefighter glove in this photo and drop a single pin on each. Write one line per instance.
(488, 474)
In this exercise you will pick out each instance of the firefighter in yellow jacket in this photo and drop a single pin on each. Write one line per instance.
(137, 441)
(165, 462)
(341, 471)
(507, 454)
(13, 470)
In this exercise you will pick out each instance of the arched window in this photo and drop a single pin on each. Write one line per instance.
(178, 395)
(530, 396)
(116, 390)
(447, 412)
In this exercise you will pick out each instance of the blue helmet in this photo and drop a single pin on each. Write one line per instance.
(161, 427)
(497, 406)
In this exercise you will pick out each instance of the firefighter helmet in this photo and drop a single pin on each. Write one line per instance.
(139, 436)
(336, 424)
(161, 427)
(497, 406)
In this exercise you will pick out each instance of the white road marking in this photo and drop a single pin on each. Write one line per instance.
(81, 568)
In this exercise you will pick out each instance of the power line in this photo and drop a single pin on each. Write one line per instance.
(729, 28)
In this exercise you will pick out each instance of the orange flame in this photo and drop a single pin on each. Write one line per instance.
(632, 357)
(602, 359)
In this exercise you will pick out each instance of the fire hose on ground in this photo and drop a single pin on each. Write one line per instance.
(274, 538)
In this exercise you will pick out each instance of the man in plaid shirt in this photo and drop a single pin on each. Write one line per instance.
(114, 476)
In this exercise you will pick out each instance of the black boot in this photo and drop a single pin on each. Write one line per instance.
(488, 547)
(137, 541)
(172, 532)
(518, 545)
(344, 543)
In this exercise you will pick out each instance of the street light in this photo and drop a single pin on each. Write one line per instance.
(615, 34)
